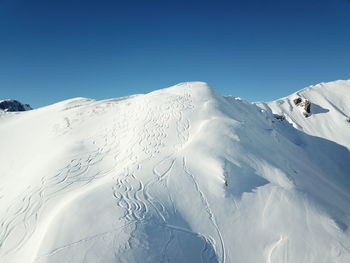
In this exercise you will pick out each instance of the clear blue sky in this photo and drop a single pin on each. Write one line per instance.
(256, 49)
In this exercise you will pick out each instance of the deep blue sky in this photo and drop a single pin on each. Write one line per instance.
(256, 49)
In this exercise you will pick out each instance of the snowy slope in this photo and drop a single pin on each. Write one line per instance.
(181, 174)
(330, 111)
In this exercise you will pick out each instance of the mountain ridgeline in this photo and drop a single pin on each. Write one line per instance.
(181, 174)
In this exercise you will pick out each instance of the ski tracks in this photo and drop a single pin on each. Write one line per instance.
(136, 198)
(133, 193)
(206, 205)
(21, 218)
(278, 245)
(150, 139)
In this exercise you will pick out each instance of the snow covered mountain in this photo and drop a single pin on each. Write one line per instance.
(181, 174)
(13, 105)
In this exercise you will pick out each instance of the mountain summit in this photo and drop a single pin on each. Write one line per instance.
(181, 174)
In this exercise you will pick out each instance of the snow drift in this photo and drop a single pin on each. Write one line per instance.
(181, 174)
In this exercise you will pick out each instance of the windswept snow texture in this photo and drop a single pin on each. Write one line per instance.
(181, 174)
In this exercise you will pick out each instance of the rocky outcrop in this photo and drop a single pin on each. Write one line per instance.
(306, 104)
(297, 101)
(13, 105)
(279, 117)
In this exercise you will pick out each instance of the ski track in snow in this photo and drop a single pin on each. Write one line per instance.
(145, 160)
(151, 139)
(86, 239)
(207, 208)
(274, 248)
(25, 214)
(131, 194)
(133, 200)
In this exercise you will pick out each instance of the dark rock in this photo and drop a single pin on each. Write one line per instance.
(307, 106)
(13, 105)
(297, 101)
(279, 117)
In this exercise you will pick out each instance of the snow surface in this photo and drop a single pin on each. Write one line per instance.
(181, 174)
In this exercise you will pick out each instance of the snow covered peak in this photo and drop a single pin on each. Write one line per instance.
(13, 105)
(200, 90)
(181, 174)
(337, 87)
(330, 110)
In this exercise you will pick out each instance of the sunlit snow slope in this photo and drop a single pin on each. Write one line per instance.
(181, 174)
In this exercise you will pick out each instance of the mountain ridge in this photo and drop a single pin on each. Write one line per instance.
(181, 174)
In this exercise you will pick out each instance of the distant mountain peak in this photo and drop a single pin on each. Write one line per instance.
(13, 105)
